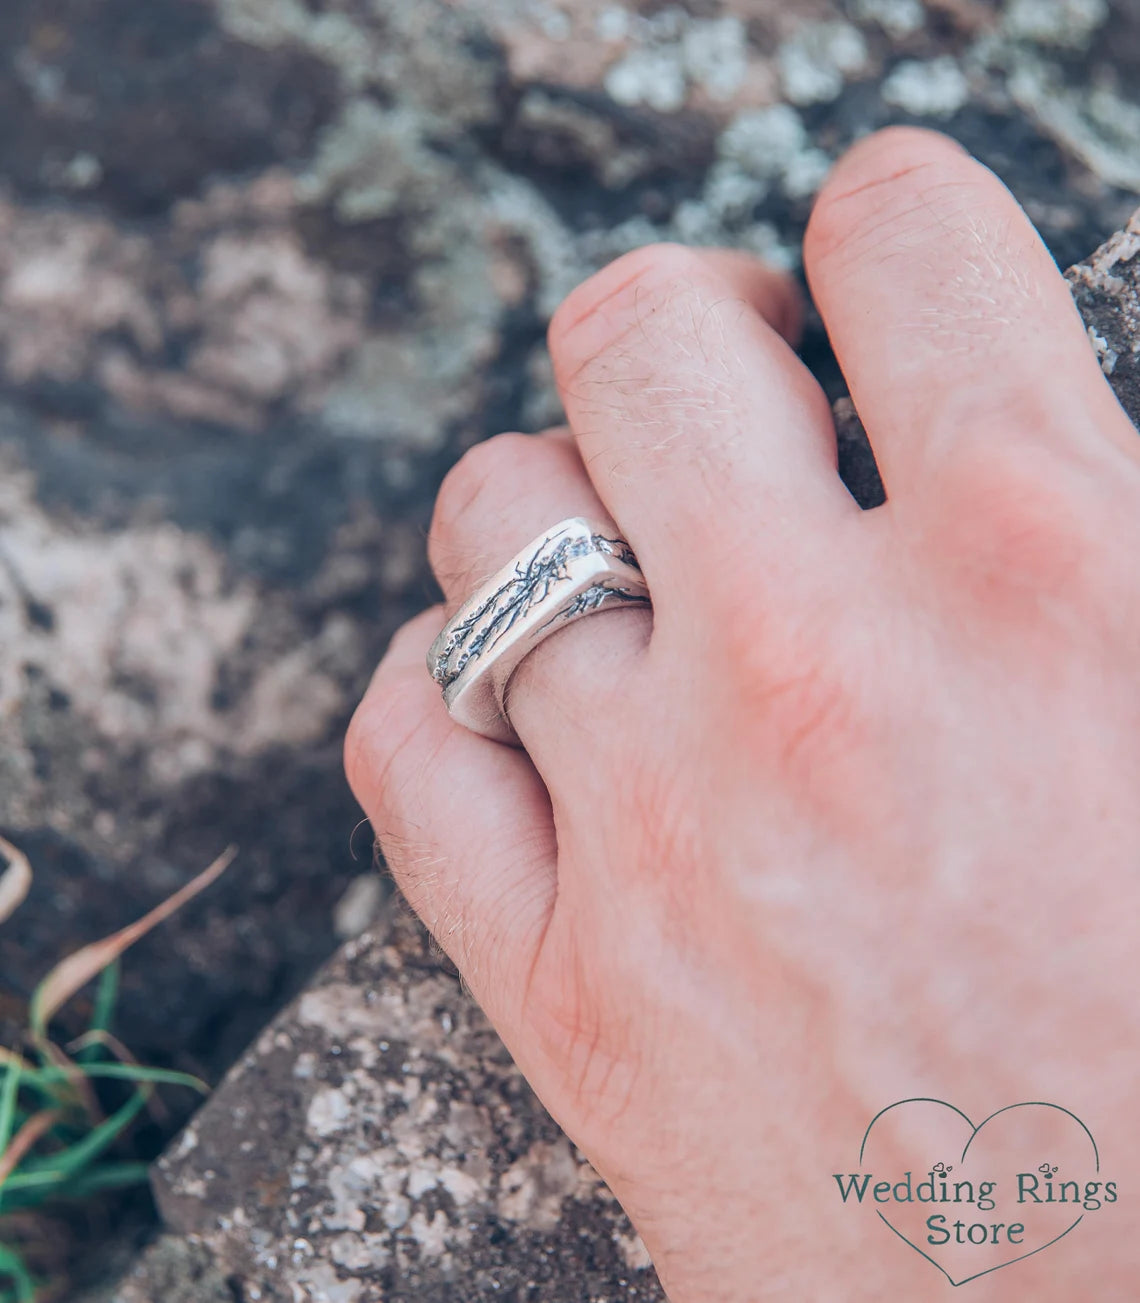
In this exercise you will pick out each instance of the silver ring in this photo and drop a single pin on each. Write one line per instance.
(574, 569)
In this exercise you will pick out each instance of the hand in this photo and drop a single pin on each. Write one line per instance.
(854, 814)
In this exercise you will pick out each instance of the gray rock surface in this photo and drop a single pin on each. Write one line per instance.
(378, 1144)
(1107, 290)
(267, 267)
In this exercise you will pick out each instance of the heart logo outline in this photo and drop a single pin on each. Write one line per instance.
(974, 1130)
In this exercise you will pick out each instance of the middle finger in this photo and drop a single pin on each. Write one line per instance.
(704, 434)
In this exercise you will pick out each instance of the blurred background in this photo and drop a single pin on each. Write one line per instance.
(266, 268)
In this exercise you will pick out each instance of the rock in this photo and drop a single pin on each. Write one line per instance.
(361, 904)
(377, 1143)
(1107, 289)
(175, 1271)
(266, 268)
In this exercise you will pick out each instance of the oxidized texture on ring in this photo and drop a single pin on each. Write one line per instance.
(574, 569)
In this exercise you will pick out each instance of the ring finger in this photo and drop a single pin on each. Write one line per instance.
(501, 495)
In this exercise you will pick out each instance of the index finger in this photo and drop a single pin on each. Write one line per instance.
(950, 319)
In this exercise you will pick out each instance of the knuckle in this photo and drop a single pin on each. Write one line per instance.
(901, 177)
(638, 292)
(357, 750)
(1017, 532)
(473, 474)
(657, 265)
(378, 745)
(808, 704)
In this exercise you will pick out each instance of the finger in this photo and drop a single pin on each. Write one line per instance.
(498, 478)
(464, 824)
(499, 498)
(947, 313)
(697, 423)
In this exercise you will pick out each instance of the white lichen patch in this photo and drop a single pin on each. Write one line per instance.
(653, 77)
(420, 1181)
(364, 1252)
(1067, 23)
(897, 17)
(680, 56)
(768, 148)
(1103, 269)
(463, 1187)
(142, 620)
(186, 1144)
(819, 59)
(329, 1112)
(434, 1236)
(633, 1251)
(345, 1011)
(194, 1188)
(1106, 355)
(64, 282)
(934, 88)
(322, 1281)
(764, 142)
(372, 161)
(80, 298)
(150, 604)
(340, 40)
(1096, 124)
(715, 53)
(532, 1190)
(282, 320)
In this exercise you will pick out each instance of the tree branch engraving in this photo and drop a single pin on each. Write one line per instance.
(533, 582)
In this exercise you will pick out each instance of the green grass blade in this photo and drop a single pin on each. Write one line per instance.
(30, 1079)
(34, 1180)
(8, 1094)
(107, 1176)
(46, 1081)
(154, 1076)
(12, 1266)
(34, 1189)
(106, 996)
(123, 1072)
(66, 1162)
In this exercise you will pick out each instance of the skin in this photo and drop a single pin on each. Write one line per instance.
(852, 816)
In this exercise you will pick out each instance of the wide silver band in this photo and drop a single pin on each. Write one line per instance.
(574, 569)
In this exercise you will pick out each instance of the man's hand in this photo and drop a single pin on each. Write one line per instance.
(854, 814)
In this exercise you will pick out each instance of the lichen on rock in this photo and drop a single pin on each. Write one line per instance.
(266, 269)
(377, 1143)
